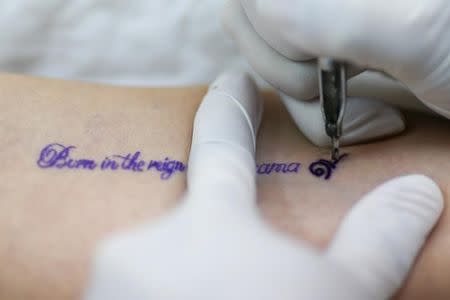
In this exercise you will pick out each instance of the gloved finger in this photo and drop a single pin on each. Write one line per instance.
(297, 79)
(377, 85)
(270, 34)
(364, 120)
(337, 29)
(381, 236)
(221, 161)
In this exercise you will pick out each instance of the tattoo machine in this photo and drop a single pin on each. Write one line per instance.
(333, 96)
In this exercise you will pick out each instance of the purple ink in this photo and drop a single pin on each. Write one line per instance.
(294, 167)
(132, 162)
(263, 169)
(269, 168)
(167, 167)
(155, 164)
(83, 164)
(280, 168)
(52, 154)
(324, 168)
(108, 163)
(180, 166)
(58, 156)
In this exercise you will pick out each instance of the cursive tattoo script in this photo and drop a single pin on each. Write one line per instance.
(59, 156)
(269, 168)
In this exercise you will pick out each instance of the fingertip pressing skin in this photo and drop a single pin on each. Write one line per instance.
(381, 236)
(240, 87)
(420, 194)
(230, 112)
(224, 138)
(364, 120)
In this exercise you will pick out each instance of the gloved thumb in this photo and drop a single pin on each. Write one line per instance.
(364, 120)
(380, 238)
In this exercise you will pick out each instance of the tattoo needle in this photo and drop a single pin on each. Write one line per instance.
(333, 96)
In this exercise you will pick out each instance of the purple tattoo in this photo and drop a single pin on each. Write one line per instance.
(324, 168)
(131, 162)
(166, 167)
(269, 168)
(58, 156)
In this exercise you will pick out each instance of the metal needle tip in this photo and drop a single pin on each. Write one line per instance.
(335, 149)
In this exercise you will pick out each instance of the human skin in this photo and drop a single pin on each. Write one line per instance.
(51, 219)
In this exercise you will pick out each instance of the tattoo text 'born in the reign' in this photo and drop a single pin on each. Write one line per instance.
(324, 168)
(60, 157)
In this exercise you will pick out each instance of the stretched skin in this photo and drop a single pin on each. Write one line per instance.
(51, 219)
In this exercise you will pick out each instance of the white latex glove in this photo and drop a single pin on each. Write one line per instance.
(407, 39)
(216, 245)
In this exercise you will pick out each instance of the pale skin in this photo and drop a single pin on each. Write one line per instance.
(50, 220)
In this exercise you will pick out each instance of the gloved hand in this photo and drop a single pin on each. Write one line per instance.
(216, 245)
(409, 40)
